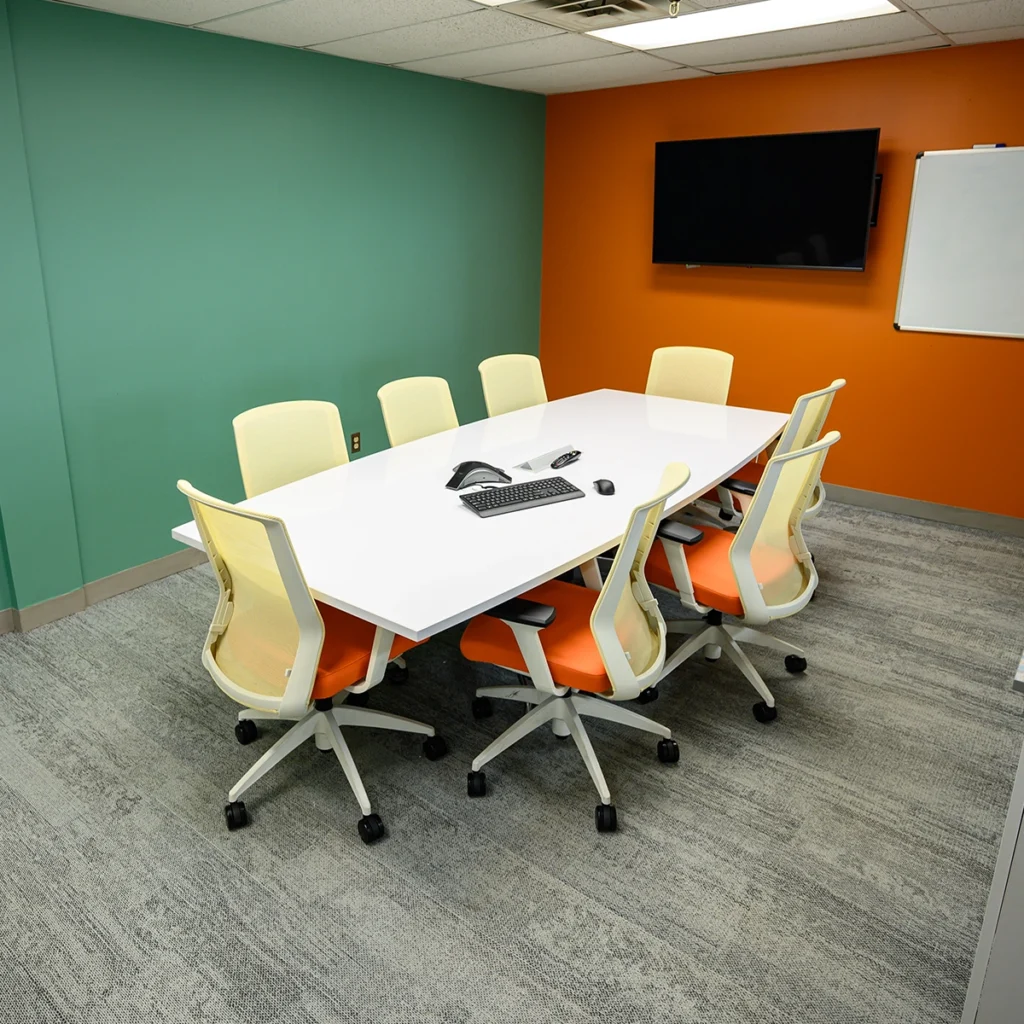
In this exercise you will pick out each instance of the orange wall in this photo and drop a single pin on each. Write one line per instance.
(927, 416)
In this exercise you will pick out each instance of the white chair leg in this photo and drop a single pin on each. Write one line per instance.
(689, 626)
(399, 661)
(746, 635)
(586, 749)
(533, 719)
(526, 694)
(294, 737)
(322, 736)
(743, 663)
(349, 715)
(255, 715)
(687, 650)
(595, 707)
(344, 756)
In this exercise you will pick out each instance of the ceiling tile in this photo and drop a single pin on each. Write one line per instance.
(971, 17)
(303, 22)
(989, 35)
(534, 53)
(177, 12)
(922, 5)
(599, 73)
(486, 27)
(930, 42)
(843, 35)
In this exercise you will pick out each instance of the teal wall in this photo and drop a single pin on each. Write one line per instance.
(36, 506)
(223, 223)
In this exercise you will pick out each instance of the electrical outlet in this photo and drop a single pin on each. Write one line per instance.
(357, 441)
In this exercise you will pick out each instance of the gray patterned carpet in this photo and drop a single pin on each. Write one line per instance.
(829, 868)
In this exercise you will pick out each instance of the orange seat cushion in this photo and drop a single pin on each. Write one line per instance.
(568, 642)
(711, 573)
(345, 657)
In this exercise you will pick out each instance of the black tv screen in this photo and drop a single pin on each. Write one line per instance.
(766, 200)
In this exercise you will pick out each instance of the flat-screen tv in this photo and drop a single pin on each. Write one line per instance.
(766, 200)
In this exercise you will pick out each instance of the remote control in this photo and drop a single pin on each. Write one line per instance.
(564, 460)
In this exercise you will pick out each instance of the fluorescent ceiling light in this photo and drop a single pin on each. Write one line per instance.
(742, 20)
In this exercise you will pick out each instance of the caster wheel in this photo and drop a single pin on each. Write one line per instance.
(358, 700)
(434, 748)
(397, 673)
(668, 751)
(726, 517)
(812, 557)
(246, 731)
(235, 815)
(763, 713)
(482, 707)
(371, 828)
(794, 663)
(648, 695)
(604, 818)
(476, 784)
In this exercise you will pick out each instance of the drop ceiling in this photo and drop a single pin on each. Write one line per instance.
(542, 46)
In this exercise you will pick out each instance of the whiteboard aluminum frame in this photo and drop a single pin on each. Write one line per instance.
(906, 248)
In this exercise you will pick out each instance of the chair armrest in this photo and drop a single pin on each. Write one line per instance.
(669, 529)
(739, 486)
(524, 612)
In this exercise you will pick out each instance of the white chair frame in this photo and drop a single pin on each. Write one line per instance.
(320, 720)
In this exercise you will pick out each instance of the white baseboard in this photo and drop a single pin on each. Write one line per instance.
(24, 619)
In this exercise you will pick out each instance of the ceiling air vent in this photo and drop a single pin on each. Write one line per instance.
(590, 15)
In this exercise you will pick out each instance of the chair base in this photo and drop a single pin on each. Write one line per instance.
(565, 713)
(717, 638)
(324, 725)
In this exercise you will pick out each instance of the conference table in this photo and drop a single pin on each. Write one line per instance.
(384, 539)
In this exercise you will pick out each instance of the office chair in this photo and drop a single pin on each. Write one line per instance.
(696, 374)
(280, 443)
(512, 382)
(803, 428)
(583, 649)
(761, 572)
(416, 407)
(286, 657)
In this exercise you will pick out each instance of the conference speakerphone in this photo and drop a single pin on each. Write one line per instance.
(496, 501)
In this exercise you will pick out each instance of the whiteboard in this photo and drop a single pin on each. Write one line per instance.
(963, 262)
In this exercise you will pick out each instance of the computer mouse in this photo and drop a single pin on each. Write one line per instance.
(604, 486)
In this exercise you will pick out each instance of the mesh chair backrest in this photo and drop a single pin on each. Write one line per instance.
(416, 407)
(808, 418)
(696, 374)
(287, 441)
(512, 382)
(256, 639)
(769, 557)
(626, 622)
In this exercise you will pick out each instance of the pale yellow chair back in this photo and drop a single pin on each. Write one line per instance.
(626, 621)
(512, 382)
(808, 418)
(416, 407)
(264, 644)
(696, 374)
(287, 441)
(773, 568)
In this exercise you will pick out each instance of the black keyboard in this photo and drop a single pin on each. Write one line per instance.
(498, 500)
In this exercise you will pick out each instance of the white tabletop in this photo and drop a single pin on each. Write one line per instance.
(384, 539)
